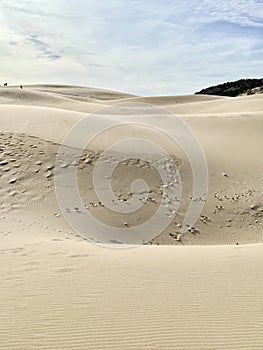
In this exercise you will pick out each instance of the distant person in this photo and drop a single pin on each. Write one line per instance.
(21, 87)
(5, 84)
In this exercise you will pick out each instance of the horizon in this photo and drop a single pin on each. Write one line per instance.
(106, 89)
(141, 48)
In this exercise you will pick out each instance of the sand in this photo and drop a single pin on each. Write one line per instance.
(199, 290)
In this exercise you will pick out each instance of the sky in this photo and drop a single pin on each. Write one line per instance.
(147, 47)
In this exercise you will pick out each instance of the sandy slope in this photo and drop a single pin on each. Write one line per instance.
(234, 208)
(31, 97)
(238, 105)
(172, 100)
(81, 92)
(60, 292)
(66, 294)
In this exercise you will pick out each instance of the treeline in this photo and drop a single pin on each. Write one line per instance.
(235, 88)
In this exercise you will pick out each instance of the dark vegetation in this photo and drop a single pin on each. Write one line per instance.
(235, 88)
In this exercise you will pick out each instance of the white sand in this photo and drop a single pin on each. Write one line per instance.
(58, 291)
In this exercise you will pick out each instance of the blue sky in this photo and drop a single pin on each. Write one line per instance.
(147, 47)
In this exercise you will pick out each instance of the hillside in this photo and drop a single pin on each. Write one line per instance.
(235, 88)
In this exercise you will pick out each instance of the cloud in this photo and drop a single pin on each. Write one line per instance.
(243, 12)
(139, 46)
(42, 47)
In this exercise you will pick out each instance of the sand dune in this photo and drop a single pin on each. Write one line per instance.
(47, 123)
(81, 92)
(171, 100)
(61, 293)
(238, 105)
(58, 291)
(33, 97)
